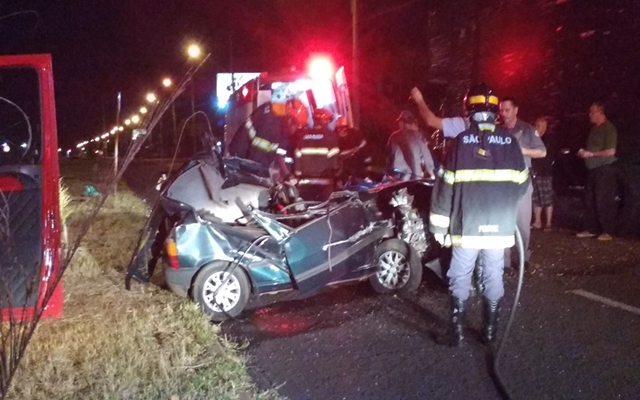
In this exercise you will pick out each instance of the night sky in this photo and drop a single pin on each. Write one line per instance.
(547, 47)
(100, 47)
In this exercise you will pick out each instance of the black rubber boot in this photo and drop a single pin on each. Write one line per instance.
(456, 334)
(491, 311)
(478, 276)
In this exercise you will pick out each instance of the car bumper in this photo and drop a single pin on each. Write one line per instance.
(179, 280)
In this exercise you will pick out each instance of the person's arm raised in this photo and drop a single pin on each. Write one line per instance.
(432, 120)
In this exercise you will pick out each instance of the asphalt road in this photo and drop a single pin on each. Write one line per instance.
(349, 343)
(576, 334)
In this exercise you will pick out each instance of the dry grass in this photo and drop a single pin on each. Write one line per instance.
(117, 344)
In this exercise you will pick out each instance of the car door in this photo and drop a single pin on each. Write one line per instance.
(337, 246)
(240, 106)
(29, 193)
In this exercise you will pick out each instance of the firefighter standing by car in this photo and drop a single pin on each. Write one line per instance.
(473, 207)
(265, 135)
(316, 158)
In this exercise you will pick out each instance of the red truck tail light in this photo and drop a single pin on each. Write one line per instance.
(10, 183)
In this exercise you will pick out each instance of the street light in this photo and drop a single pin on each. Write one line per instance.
(167, 83)
(135, 119)
(143, 110)
(194, 51)
(151, 97)
(127, 122)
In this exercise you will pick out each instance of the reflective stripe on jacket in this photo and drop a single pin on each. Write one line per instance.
(316, 153)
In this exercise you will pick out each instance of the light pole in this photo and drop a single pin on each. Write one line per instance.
(194, 53)
(166, 82)
(354, 61)
(152, 99)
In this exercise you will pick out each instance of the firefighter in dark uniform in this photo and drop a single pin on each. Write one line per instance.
(353, 156)
(316, 158)
(265, 135)
(473, 207)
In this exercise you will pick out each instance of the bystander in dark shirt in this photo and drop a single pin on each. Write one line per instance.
(601, 137)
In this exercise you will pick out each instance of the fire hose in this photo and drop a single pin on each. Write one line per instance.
(494, 357)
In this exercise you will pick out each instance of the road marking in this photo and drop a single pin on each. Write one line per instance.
(606, 301)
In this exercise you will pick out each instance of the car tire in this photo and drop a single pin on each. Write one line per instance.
(231, 299)
(399, 268)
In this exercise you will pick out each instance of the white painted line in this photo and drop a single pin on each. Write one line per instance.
(606, 301)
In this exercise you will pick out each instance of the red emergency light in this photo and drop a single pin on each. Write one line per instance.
(321, 68)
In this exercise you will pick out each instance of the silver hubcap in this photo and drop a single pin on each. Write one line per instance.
(393, 272)
(227, 297)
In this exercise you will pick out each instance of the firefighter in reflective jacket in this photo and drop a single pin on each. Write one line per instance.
(265, 135)
(473, 207)
(316, 154)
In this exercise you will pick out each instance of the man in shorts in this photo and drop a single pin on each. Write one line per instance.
(542, 179)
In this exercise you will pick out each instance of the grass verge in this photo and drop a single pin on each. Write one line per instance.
(116, 344)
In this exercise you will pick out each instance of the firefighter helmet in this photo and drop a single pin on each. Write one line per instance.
(481, 98)
(322, 116)
(297, 110)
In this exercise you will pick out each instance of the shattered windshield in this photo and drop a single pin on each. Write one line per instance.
(20, 116)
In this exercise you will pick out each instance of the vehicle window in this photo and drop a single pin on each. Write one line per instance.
(20, 116)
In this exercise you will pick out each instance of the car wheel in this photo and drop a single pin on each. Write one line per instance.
(231, 299)
(399, 268)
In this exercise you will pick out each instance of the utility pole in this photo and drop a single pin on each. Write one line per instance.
(233, 84)
(354, 62)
